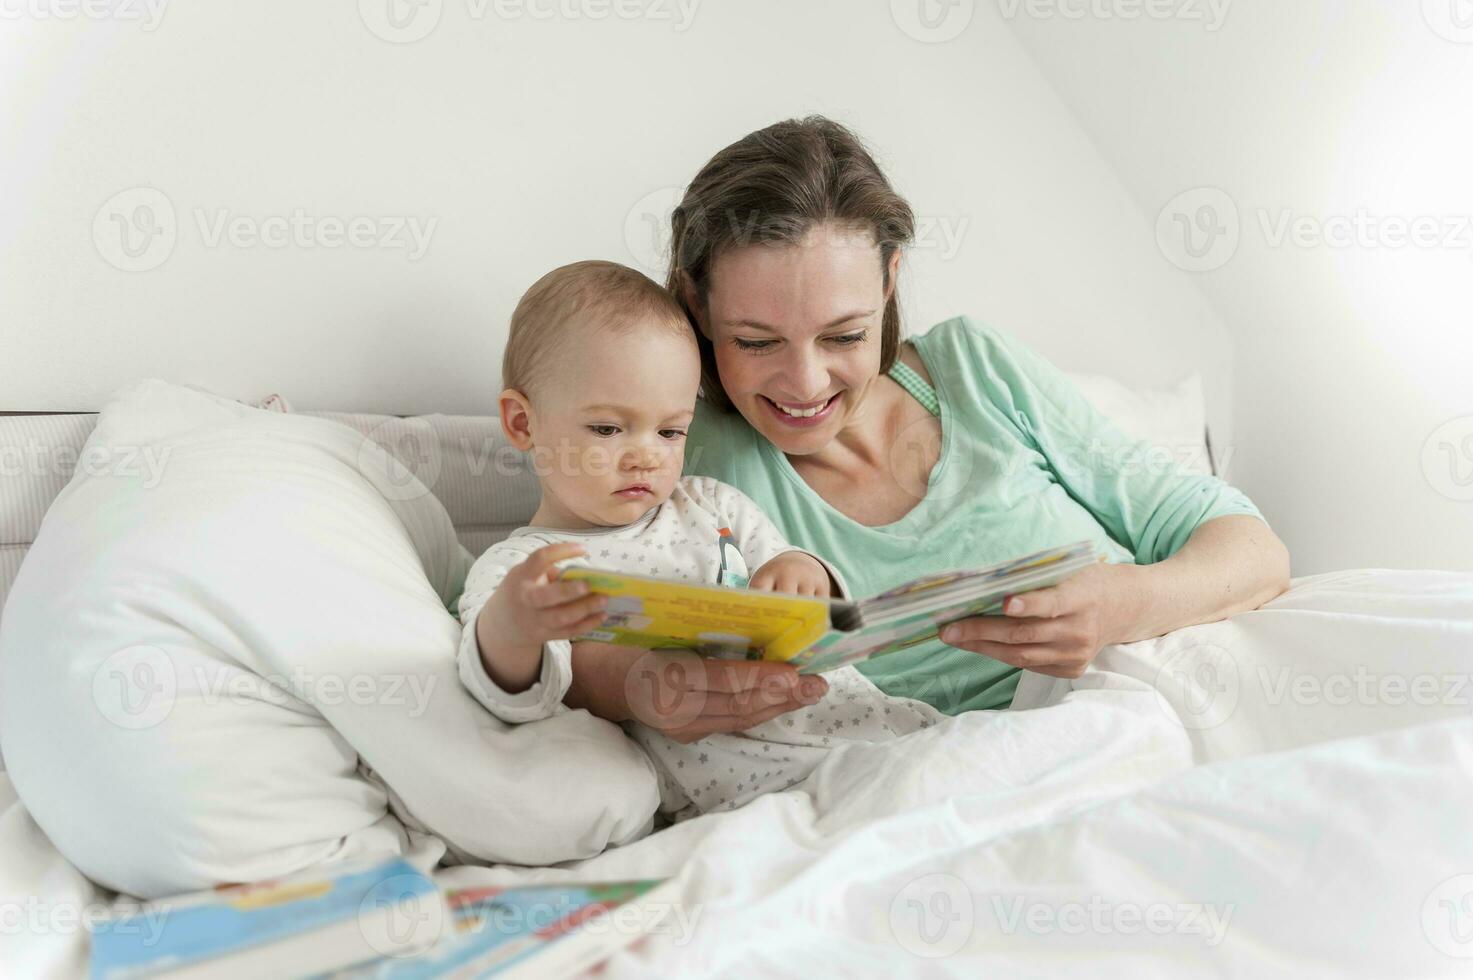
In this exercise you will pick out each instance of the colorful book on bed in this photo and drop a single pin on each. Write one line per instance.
(347, 912)
(533, 932)
(814, 634)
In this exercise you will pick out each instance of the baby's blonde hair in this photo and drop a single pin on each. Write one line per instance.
(572, 298)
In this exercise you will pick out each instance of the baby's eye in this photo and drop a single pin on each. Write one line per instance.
(751, 344)
(673, 433)
(603, 430)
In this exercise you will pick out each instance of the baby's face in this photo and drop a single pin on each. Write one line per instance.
(608, 434)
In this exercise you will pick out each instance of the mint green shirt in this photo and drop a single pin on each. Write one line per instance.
(1026, 463)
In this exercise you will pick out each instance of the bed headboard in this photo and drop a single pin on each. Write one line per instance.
(486, 484)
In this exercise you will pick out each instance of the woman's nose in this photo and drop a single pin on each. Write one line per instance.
(807, 377)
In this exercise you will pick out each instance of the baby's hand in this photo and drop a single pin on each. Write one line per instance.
(792, 571)
(532, 607)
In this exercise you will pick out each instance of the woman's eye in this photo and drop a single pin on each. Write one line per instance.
(849, 339)
(751, 344)
(603, 430)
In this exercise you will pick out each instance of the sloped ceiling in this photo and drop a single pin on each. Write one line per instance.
(1314, 108)
(1319, 135)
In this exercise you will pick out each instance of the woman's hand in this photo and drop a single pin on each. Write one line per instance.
(683, 696)
(1059, 630)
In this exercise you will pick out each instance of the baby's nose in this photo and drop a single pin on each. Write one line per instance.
(642, 459)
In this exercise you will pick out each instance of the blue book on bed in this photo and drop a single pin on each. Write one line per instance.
(531, 932)
(333, 916)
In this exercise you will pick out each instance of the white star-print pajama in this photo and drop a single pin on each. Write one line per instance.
(681, 539)
(722, 772)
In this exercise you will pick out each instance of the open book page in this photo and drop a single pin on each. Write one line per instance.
(813, 634)
(915, 613)
(1005, 578)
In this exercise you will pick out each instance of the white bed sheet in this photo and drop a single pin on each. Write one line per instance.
(1282, 794)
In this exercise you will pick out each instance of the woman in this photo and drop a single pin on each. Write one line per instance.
(958, 448)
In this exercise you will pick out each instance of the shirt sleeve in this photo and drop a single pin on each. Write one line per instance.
(756, 536)
(1139, 493)
(544, 698)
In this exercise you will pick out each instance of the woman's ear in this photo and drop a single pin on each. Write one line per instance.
(516, 418)
(892, 271)
(693, 305)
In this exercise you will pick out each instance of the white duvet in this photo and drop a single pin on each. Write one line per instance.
(1287, 793)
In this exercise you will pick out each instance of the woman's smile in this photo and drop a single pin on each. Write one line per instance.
(801, 414)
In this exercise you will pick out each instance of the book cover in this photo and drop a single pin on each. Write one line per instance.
(318, 920)
(655, 613)
(543, 931)
(814, 634)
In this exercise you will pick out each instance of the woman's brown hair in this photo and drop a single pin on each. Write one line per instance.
(771, 187)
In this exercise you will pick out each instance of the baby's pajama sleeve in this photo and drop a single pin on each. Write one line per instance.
(545, 697)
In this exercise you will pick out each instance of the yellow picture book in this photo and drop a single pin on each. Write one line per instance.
(815, 634)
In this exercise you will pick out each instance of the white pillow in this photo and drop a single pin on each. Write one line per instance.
(1173, 418)
(210, 667)
(488, 486)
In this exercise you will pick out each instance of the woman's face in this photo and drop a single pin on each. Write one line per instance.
(796, 331)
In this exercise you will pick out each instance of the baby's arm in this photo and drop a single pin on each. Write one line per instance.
(515, 657)
(529, 609)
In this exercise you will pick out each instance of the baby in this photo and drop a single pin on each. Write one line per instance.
(601, 373)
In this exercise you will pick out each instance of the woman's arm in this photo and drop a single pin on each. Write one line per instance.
(1202, 549)
(681, 695)
(1230, 564)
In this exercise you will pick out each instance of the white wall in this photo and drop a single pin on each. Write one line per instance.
(529, 142)
(1354, 396)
